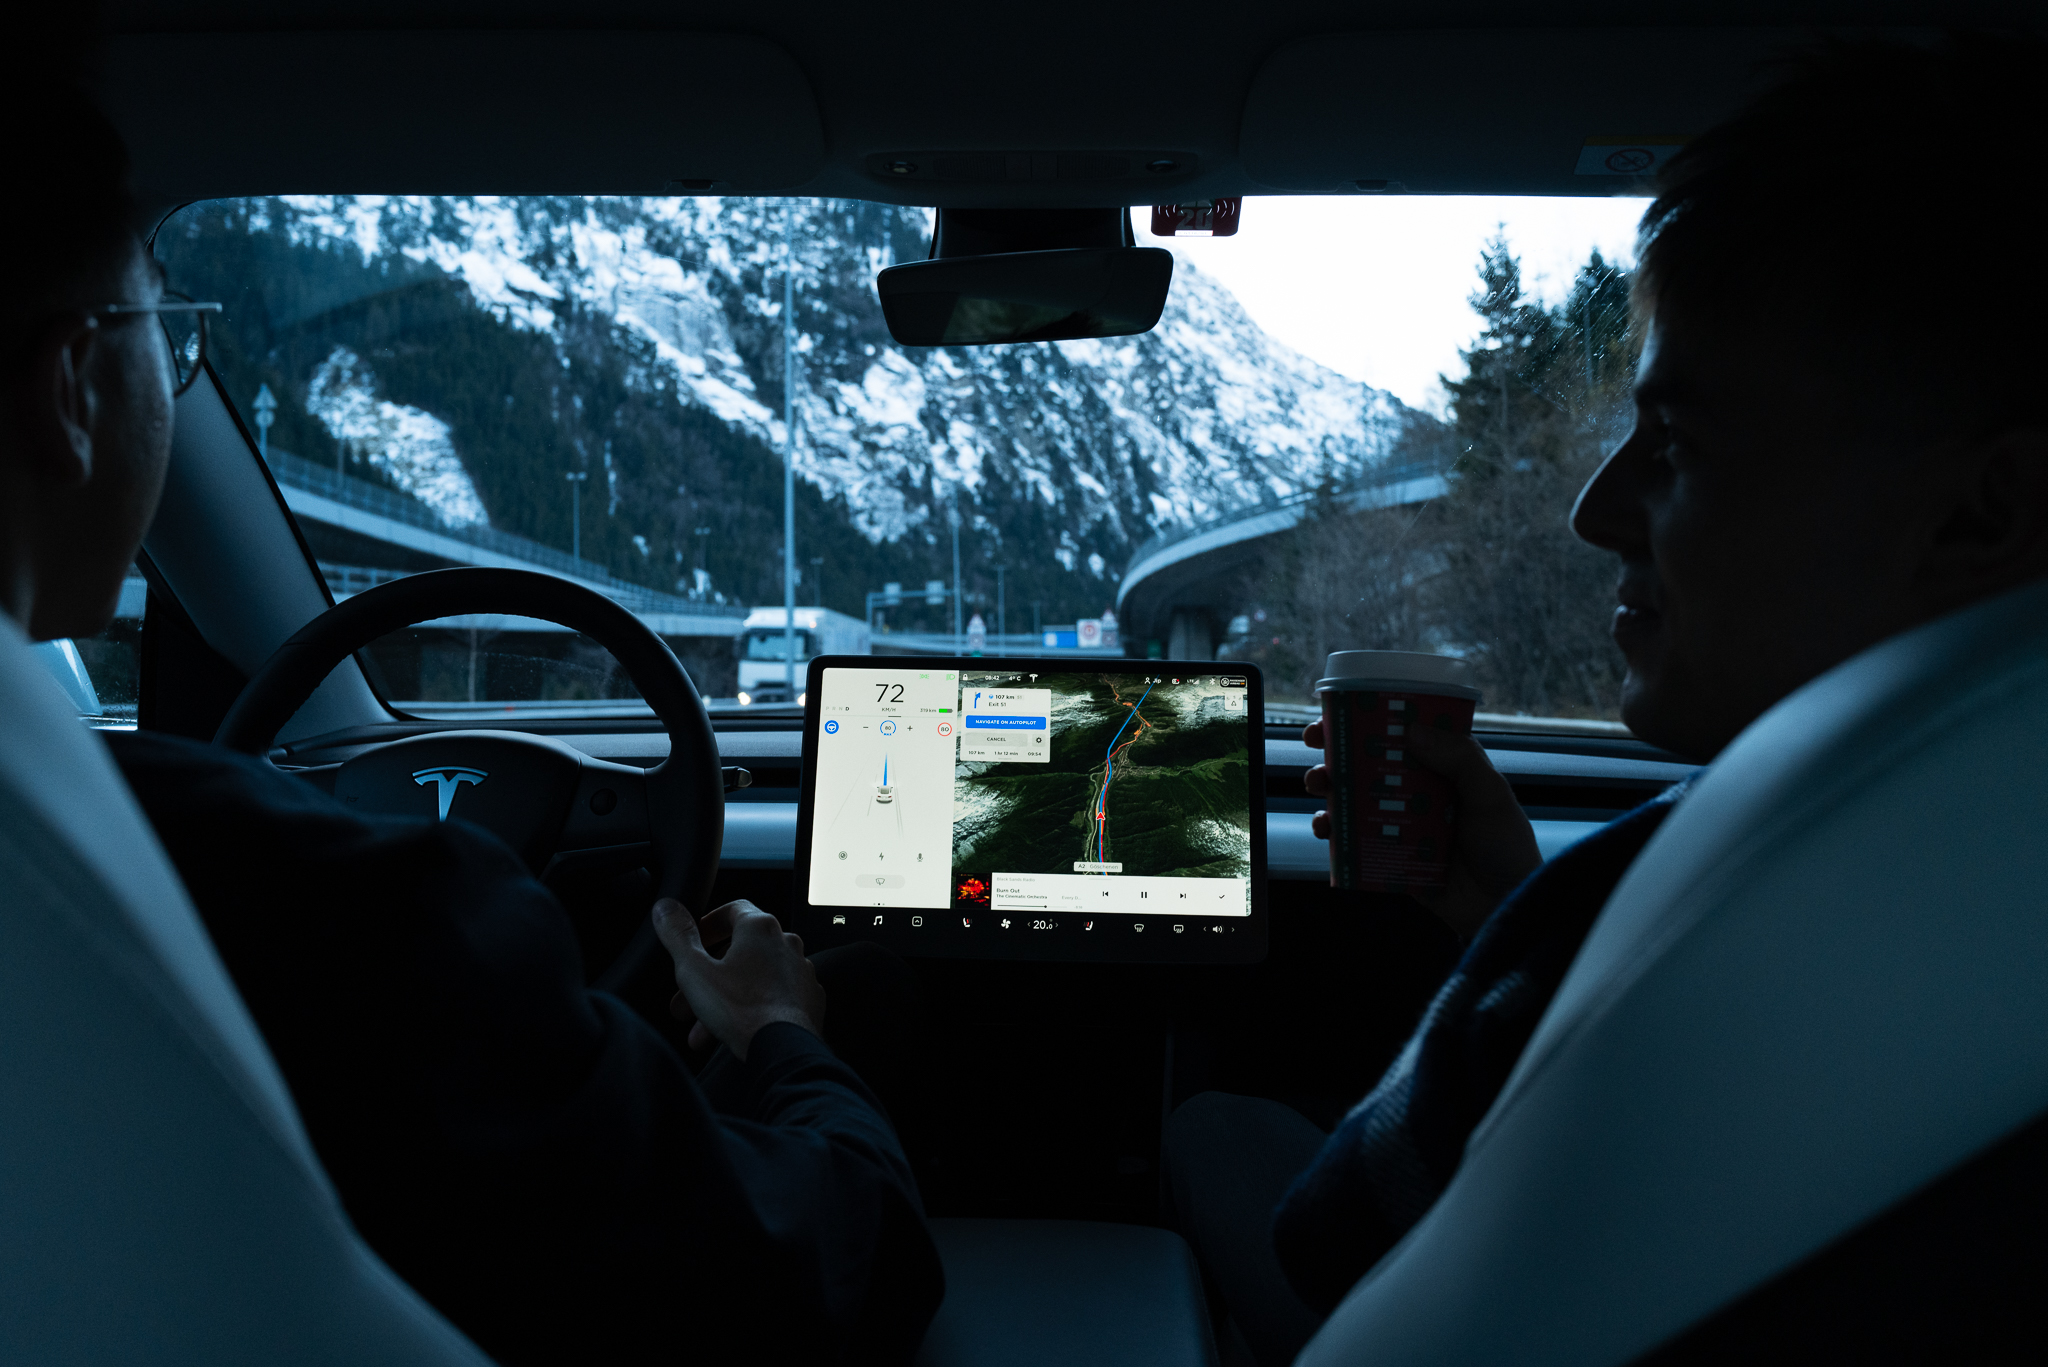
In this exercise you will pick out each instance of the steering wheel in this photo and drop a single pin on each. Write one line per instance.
(555, 805)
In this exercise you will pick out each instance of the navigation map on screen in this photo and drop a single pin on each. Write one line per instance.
(1013, 790)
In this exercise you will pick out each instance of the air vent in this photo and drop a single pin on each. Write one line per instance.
(1010, 168)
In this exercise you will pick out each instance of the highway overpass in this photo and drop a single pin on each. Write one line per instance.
(364, 534)
(1181, 588)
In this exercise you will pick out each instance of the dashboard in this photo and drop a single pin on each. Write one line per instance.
(1568, 785)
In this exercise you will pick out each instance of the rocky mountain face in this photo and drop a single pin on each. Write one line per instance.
(473, 352)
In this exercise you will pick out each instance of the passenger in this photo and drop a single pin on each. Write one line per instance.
(1838, 438)
(531, 1156)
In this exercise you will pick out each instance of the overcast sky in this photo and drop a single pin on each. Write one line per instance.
(1376, 288)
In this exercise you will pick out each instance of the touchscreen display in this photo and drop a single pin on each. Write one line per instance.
(1110, 796)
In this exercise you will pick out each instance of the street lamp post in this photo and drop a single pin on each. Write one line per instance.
(817, 581)
(953, 516)
(576, 478)
(789, 448)
(266, 413)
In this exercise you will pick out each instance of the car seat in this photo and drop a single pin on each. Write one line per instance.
(159, 1201)
(1817, 995)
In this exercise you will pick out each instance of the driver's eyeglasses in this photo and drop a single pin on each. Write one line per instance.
(184, 324)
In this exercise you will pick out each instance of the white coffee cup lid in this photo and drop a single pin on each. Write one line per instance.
(1407, 666)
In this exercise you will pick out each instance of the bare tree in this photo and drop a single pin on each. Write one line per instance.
(1342, 581)
(1524, 599)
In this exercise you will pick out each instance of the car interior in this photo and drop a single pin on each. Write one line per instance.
(1643, 1173)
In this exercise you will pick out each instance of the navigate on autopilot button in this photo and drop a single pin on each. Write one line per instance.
(1005, 724)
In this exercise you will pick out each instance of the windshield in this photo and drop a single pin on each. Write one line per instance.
(1359, 424)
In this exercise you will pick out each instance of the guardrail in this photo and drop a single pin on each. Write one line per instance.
(346, 581)
(1030, 647)
(301, 473)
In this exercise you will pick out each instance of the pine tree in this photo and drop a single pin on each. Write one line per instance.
(1598, 331)
(1501, 412)
(1524, 596)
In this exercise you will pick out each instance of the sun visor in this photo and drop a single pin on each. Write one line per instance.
(211, 115)
(1507, 111)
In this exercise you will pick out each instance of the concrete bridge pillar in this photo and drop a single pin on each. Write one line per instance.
(1191, 636)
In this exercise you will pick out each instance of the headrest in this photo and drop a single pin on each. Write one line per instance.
(1816, 990)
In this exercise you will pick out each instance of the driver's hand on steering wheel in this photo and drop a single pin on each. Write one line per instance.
(763, 977)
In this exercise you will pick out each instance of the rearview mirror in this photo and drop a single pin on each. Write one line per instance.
(1038, 296)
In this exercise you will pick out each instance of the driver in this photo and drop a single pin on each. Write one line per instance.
(531, 1156)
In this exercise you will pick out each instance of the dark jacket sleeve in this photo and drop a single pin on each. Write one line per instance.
(1396, 1152)
(530, 1155)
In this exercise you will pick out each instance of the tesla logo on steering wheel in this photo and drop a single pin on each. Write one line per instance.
(450, 778)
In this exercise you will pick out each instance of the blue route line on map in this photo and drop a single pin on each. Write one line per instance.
(1108, 767)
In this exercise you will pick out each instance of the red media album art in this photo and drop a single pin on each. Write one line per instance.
(1391, 820)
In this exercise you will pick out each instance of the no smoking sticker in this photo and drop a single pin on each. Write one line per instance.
(1632, 157)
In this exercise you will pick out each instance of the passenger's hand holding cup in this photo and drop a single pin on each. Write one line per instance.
(1416, 806)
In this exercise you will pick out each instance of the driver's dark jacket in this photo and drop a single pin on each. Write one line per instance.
(532, 1156)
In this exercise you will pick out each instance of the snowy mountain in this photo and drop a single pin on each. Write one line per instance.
(642, 340)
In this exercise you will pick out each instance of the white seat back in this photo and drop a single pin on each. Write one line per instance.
(1819, 988)
(159, 1201)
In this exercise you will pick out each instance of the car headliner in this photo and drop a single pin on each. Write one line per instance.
(1050, 104)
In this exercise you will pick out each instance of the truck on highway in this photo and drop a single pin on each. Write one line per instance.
(763, 640)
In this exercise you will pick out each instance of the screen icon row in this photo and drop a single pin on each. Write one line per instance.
(1000, 922)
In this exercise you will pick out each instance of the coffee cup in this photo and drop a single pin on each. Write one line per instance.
(1390, 818)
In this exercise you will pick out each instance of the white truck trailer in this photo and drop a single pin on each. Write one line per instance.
(763, 640)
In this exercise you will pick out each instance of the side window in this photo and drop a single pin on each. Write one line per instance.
(102, 674)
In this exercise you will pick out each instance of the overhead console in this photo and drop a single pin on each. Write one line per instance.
(1159, 166)
(1061, 810)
